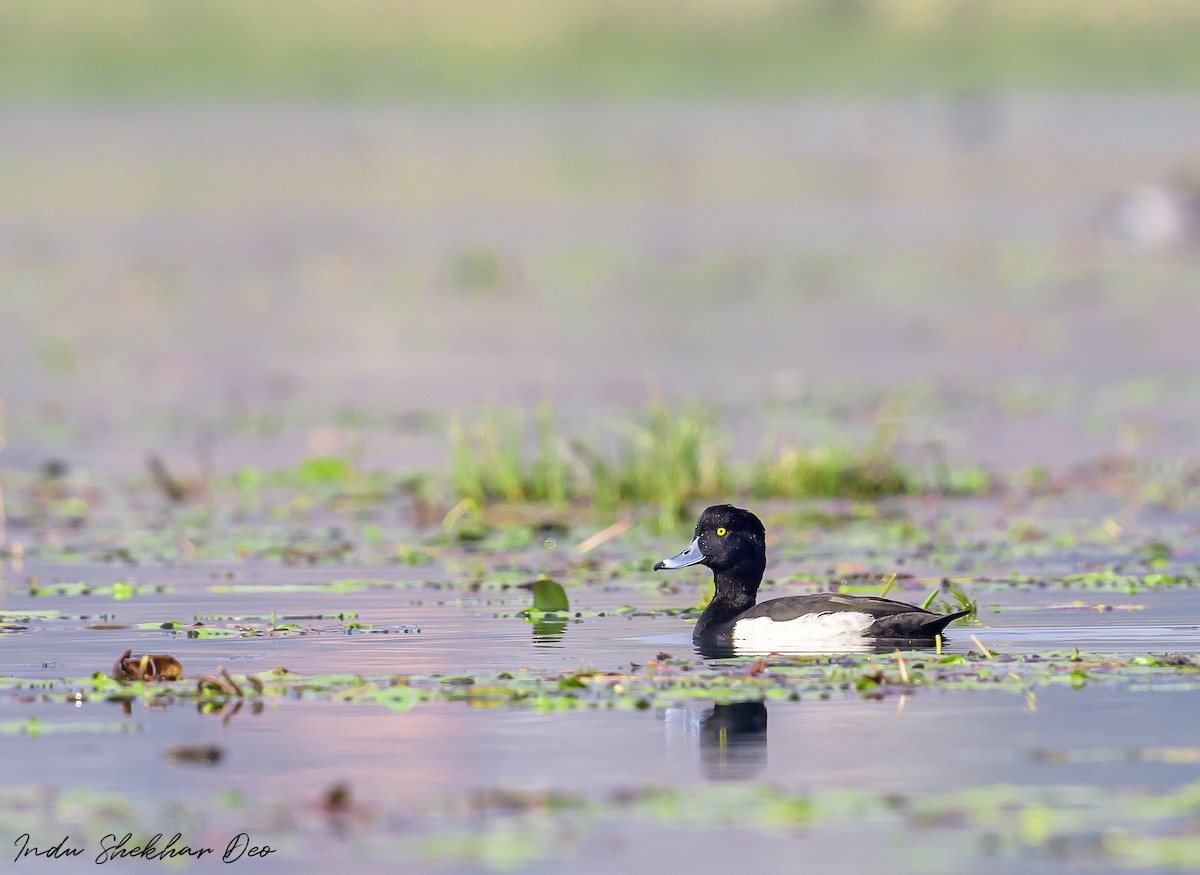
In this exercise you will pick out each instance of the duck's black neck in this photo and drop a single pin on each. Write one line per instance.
(735, 589)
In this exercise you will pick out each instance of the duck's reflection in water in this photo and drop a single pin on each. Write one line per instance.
(730, 741)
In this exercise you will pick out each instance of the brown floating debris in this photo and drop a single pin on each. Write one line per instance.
(199, 754)
(336, 800)
(232, 683)
(172, 488)
(223, 684)
(210, 684)
(757, 667)
(147, 667)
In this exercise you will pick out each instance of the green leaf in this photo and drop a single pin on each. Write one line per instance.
(549, 596)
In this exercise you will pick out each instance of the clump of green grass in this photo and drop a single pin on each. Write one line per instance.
(829, 472)
(666, 458)
(669, 458)
(491, 459)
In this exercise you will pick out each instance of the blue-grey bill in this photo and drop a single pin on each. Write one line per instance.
(689, 555)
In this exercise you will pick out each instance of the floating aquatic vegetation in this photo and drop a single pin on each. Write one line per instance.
(274, 625)
(658, 682)
(34, 727)
(120, 590)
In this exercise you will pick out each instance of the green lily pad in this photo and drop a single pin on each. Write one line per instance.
(549, 596)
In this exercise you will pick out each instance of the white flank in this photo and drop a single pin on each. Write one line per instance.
(833, 627)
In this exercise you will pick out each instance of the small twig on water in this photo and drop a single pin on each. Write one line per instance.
(983, 651)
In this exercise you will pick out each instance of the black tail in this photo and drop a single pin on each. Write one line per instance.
(914, 625)
(936, 625)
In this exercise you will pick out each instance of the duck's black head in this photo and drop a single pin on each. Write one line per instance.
(733, 543)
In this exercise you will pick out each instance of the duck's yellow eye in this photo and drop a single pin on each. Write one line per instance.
(721, 532)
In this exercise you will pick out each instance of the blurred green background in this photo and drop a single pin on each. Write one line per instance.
(66, 49)
(279, 229)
